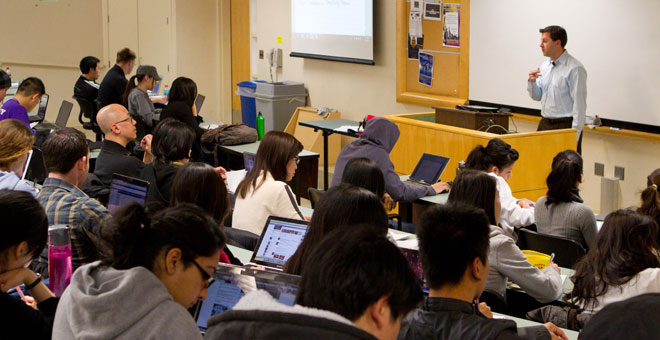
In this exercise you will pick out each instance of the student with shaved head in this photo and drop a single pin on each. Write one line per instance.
(119, 129)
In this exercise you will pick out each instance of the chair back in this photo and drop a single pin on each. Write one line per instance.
(242, 238)
(567, 252)
(314, 195)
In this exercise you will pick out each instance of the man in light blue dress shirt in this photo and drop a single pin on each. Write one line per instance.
(560, 84)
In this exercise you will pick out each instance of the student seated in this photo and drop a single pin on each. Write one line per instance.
(66, 156)
(342, 205)
(506, 260)
(356, 285)
(26, 99)
(119, 129)
(650, 197)
(202, 185)
(86, 86)
(498, 159)
(114, 83)
(365, 173)
(5, 84)
(136, 99)
(181, 106)
(622, 263)
(16, 140)
(170, 146)
(634, 318)
(160, 265)
(453, 249)
(562, 212)
(376, 143)
(24, 234)
(264, 192)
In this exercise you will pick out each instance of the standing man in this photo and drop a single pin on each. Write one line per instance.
(114, 82)
(86, 86)
(560, 84)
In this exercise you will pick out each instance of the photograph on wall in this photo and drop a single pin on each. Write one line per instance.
(451, 36)
(425, 69)
(433, 10)
(414, 45)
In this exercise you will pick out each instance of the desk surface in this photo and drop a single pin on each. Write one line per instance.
(332, 124)
(435, 199)
(253, 147)
(573, 335)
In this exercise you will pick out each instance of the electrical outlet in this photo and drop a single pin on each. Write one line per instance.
(261, 54)
(619, 172)
(599, 169)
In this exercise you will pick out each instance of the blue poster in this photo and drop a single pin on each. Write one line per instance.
(425, 69)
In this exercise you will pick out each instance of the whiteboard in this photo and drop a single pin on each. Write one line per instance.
(617, 42)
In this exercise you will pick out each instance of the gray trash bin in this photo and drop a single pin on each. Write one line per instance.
(278, 101)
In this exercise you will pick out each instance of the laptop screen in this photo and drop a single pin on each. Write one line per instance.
(279, 240)
(429, 168)
(41, 109)
(63, 115)
(125, 190)
(412, 255)
(233, 282)
(248, 160)
(199, 101)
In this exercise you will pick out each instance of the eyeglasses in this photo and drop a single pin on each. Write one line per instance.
(297, 159)
(124, 120)
(205, 276)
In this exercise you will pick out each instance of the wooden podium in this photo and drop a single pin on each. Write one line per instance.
(481, 121)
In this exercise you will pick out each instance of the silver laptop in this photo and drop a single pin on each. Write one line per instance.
(233, 282)
(278, 242)
(62, 117)
(428, 170)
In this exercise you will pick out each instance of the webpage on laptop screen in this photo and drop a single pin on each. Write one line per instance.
(123, 193)
(280, 242)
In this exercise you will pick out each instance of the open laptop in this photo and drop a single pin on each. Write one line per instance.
(428, 170)
(412, 255)
(233, 282)
(279, 240)
(62, 117)
(27, 164)
(125, 190)
(41, 111)
(199, 101)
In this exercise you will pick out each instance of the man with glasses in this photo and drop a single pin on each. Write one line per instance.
(26, 99)
(119, 129)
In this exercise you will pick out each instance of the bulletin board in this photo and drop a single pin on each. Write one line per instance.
(447, 83)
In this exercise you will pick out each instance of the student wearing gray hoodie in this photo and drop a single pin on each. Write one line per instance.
(159, 266)
(376, 142)
(16, 140)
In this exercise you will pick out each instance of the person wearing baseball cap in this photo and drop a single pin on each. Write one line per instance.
(137, 100)
(5, 84)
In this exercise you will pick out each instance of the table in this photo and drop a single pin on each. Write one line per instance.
(410, 211)
(573, 335)
(329, 127)
(306, 176)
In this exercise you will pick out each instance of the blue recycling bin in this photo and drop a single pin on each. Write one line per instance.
(246, 90)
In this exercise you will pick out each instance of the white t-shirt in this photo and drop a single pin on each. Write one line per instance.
(646, 281)
(511, 215)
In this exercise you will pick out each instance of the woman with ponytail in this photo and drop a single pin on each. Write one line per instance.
(158, 267)
(562, 212)
(650, 197)
(137, 100)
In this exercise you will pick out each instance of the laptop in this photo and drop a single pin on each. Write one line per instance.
(62, 117)
(27, 164)
(412, 255)
(248, 160)
(199, 101)
(233, 282)
(125, 190)
(428, 170)
(279, 240)
(41, 111)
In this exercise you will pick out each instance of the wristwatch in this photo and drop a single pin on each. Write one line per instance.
(35, 283)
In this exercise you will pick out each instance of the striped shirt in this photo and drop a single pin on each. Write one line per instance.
(66, 204)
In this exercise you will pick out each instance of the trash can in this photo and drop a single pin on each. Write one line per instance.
(278, 101)
(248, 109)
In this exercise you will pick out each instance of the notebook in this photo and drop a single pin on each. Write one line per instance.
(41, 111)
(233, 282)
(279, 240)
(125, 190)
(199, 101)
(428, 169)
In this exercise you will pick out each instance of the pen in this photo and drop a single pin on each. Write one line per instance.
(552, 257)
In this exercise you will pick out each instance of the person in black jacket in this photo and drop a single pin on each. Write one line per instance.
(24, 234)
(453, 249)
(181, 106)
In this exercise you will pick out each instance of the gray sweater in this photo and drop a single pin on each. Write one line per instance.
(140, 104)
(572, 220)
(507, 262)
(106, 303)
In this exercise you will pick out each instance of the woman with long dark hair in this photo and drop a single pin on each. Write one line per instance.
(507, 262)
(562, 211)
(622, 263)
(181, 106)
(264, 192)
(651, 198)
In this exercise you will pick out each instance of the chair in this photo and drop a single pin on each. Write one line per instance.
(314, 195)
(494, 301)
(567, 252)
(241, 238)
(89, 110)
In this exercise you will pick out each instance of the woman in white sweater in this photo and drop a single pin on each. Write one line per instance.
(506, 260)
(263, 192)
(622, 263)
(497, 159)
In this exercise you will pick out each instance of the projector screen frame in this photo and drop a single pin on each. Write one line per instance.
(332, 58)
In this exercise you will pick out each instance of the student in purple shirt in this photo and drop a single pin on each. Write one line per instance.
(26, 99)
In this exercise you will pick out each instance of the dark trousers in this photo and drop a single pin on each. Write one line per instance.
(559, 123)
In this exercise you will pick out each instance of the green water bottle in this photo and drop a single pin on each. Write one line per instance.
(260, 126)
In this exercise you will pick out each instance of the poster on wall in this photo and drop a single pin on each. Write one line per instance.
(451, 36)
(425, 69)
(432, 10)
(414, 45)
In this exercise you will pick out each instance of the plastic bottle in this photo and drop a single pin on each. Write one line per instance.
(260, 126)
(59, 258)
(166, 90)
(8, 71)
